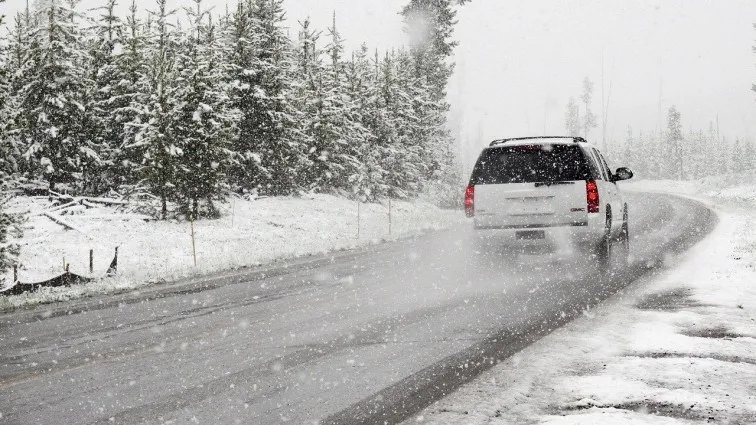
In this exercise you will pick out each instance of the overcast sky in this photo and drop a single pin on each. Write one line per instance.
(520, 60)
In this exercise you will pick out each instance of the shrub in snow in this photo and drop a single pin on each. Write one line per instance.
(10, 229)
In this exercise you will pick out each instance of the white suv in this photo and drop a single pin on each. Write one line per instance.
(548, 191)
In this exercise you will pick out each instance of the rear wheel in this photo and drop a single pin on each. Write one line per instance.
(603, 251)
(624, 241)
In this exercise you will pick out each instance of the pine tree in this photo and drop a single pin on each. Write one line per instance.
(53, 116)
(631, 155)
(201, 121)
(19, 51)
(7, 154)
(403, 153)
(241, 39)
(674, 145)
(5, 94)
(712, 151)
(572, 118)
(723, 156)
(344, 113)
(329, 128)
(108, 97)
(749, 156)
(430, 26)
(267, 131)
(362, 90)
(10, 230)
(589, 118)
(652, 154)
(8, 222)
(308, 95)
(738, 165)
(130, 93)
(697, 156)
(159, 164)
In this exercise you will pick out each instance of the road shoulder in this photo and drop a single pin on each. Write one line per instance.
(260, 236)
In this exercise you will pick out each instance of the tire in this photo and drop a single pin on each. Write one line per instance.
(603, 251)
(624, 240)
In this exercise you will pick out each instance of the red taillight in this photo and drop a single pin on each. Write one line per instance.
(592, 196)
(470, 201)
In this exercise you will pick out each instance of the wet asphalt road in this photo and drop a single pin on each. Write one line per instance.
(368, 336)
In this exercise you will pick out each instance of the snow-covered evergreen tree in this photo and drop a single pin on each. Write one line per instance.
(430, 27)
(267, 140)
(403, 153)
(329, 127)
(108, 97)
(674, 146)
(572, 118)
(5, 95)
(8, 222)
(632, 154)
(589, 118)
(749, 156)
(241, 39)
(129, 99)
(712, 151)
(363, 93)
(738, 163)
(14, 59)
(53, 112)
(201, 122)
(696, 155)
(7, 163)
(344, 113)
(10, 230)
(158, 168)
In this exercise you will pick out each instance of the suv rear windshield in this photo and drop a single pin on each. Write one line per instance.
(530, 164)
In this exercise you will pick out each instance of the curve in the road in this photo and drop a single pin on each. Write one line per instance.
(414, 393)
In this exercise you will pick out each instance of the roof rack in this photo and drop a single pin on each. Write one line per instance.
(502, 141)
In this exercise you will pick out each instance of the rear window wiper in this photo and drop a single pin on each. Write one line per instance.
(539, 184)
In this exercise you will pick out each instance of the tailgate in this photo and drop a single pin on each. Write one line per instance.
(530, 205)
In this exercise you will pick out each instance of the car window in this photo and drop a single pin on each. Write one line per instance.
(606, 167)
(604, 170)
(593, 163)
(530, 164)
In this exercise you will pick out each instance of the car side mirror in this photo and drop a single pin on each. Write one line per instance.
(622, 174)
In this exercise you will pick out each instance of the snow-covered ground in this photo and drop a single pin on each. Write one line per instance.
(679, 346)
(250, 233)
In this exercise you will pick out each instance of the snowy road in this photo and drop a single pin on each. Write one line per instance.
(363, 337)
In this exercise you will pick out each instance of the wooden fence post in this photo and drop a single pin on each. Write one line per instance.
(113, 268)
(15, 274)
(233, 211)
(389, 215)
(194, 246)
(91, 261)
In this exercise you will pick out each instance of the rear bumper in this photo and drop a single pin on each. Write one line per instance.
(561, 235)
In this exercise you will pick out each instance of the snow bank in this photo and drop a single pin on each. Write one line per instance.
(738, 189)
(250, 233)
(676, 347)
